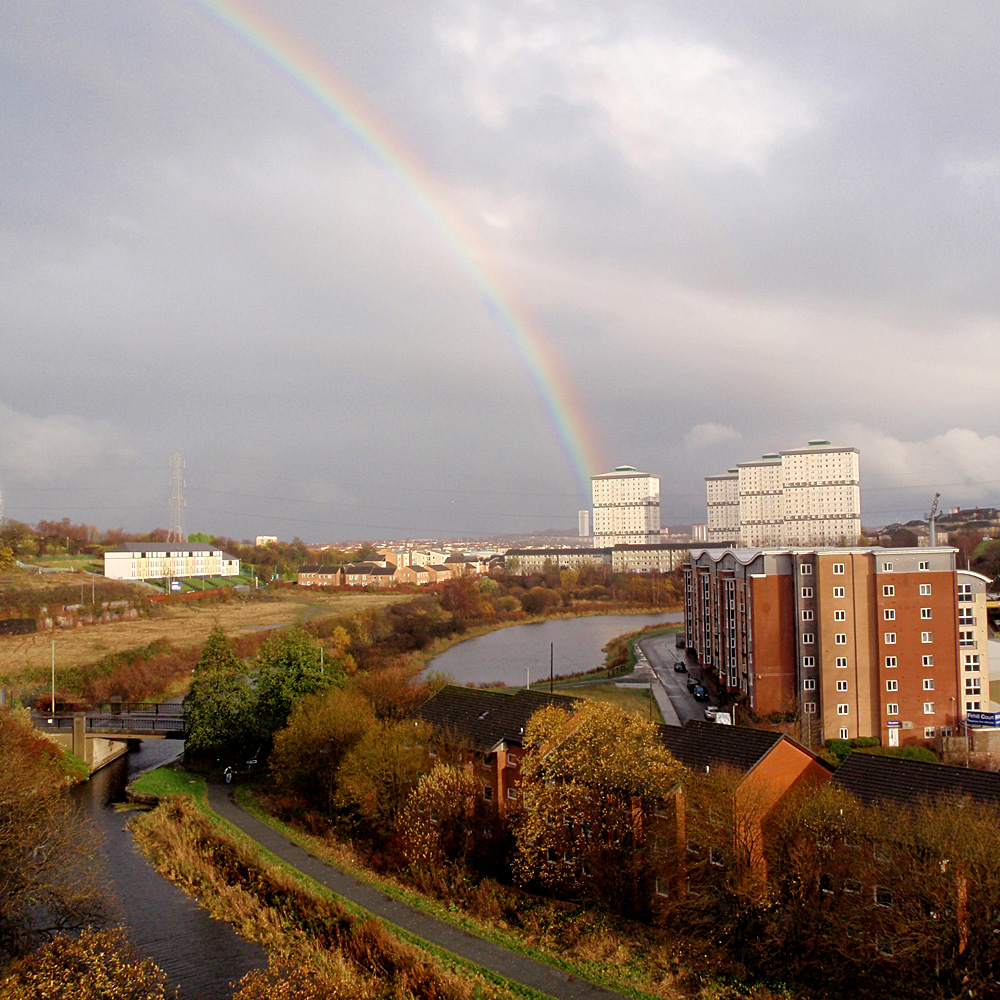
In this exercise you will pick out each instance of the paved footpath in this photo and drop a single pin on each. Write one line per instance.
(490, 956)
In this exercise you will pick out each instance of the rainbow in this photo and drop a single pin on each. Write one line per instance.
(361, 122)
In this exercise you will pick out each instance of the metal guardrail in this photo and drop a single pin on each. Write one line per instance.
(169, 709)
(119, 724)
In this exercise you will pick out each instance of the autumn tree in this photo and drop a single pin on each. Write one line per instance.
(48, 883)
(590, 782)
(220, 704)
(323, 728)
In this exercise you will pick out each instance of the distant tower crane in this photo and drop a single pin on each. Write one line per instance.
(932, 519)
(177, 485)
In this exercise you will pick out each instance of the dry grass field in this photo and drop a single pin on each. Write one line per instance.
(23, 657)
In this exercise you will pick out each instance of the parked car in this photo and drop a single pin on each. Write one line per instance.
(680, 641)
(680, 667)
(701, 693)
(692, 683)
(711, 711)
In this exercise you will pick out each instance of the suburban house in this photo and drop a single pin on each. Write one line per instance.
(320, 576)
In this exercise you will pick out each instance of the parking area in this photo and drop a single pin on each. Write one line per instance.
(662, 653)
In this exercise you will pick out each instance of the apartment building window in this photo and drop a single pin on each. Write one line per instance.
(964, 591)
(946, 730)
(807, 593)
(972, 706)
(839, 616)
(809, 707)
(967, 638)
(923, 564)
(808, 661)
(841, 661)
(838, 592)
(972, 661)
(845, 733)
(809, 684)
(889, 590)
(807, 615)
(889, 614)
(843, 709)
(928, 683)
(928, 708)
(892, 685)
(841, 685)
(808, 639)
(886, 567)
(840, 639)
(926, 613)
(806, 569)
(891, 708)
(965, 616)
(890, 661)
(929, 732)
(890, 638)
(927, 660)
(511, 793)
(926, 636)
(838, 569)
(925, 590)
(972, 686)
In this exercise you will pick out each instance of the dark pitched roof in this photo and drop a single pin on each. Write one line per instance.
(362, 567)
(309, 569)
(699, 744)
(439, 568)
(873, 778)
(455, 557)
(384, 571)
(486, 718)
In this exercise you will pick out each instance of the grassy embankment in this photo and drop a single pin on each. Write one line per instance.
(343, 951)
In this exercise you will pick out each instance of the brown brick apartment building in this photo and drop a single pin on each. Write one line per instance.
(858, 641)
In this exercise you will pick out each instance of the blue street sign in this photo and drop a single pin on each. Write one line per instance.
(984, 719)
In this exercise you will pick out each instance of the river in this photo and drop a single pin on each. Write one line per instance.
(202, 957)
(504, 656)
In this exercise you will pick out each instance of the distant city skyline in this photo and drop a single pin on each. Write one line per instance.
(397, 272)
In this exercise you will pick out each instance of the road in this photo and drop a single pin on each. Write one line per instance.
(661, 652)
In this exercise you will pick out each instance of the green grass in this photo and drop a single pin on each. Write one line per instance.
(71, 765)
(595, 972)
(173, 781)
(637, 701)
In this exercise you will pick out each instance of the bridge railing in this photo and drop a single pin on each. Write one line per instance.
(169, 709)
(119, 723)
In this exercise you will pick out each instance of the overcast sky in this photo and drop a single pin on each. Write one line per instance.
(731, 227)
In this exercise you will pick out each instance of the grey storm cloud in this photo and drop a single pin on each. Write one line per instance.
(729, 229)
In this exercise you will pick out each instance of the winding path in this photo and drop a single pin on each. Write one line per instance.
(509, 964)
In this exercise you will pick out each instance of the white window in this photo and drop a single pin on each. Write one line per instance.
(845, 733)
(888, 590)
(841, 661)
(967, 638)
(889, 614)
(838, 569)
(927, 660)
(808, 638)
(946, 730)
(808, 615)
(806, 569)
(809, 684)
(928, 708)
(928, 683)
(843, 709)
(809, 708)
(972, 706)
(839, 616)
(926, 636)
(891, 708)
(841, 685)
(886, 567)
(923, 564)
(808, 661)
(890, 638)
(511, 793)
(929, 732)
(840, 639)
(925, 590)
(890, 661)
(925, 613)
(972, 686)
(972, 661)
(807, 593)
(892, 685)
(838, 591)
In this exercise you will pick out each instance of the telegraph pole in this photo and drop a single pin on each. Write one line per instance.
(177, 503)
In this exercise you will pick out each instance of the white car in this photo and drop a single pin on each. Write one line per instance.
(711, 711)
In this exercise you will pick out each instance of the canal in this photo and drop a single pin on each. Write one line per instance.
(201, 956)
(507, 655)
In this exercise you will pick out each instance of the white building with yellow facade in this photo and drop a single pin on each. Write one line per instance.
(162, 560)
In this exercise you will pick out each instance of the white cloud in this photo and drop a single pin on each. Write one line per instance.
(709, 434)
(660, 99)
(963, 464)
(34, 449)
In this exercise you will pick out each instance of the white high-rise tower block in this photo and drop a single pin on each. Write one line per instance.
(626, 508)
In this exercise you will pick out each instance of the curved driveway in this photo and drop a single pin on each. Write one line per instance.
(490, 956)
